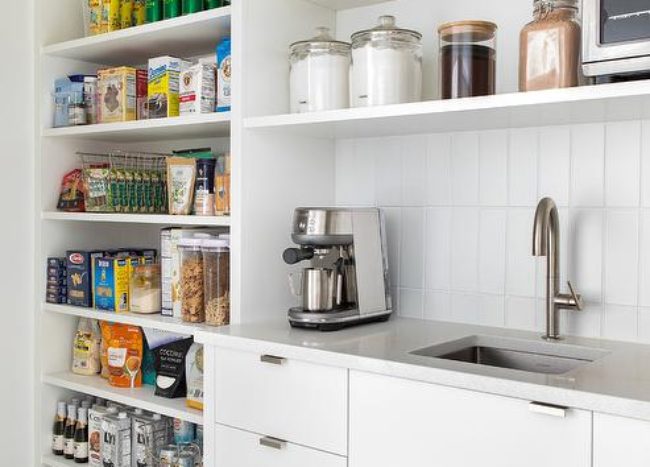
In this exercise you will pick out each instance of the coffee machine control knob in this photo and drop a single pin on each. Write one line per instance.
(296, 255)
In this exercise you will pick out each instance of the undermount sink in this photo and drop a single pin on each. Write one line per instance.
(514, 354)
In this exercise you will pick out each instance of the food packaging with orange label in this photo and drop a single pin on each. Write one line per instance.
(124, 354)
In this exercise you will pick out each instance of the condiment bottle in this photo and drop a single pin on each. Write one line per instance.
(81, 437)
(70, 425)
(58, 431)
(549, 50)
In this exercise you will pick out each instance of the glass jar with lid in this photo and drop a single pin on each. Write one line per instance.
(467, 59)
(386, 65)
(549, 56)
(146, 289)
(191, 262)
(320, 74)
(216, 281)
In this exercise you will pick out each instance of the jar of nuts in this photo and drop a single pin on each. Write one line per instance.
(192, 303)
(216, 281)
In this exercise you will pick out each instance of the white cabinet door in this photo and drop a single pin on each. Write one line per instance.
(396, 422)
(620, 442)
(236, 448)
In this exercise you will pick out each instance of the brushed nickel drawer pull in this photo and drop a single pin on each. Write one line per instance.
(548, 409)
(273, 443)
(273, 360)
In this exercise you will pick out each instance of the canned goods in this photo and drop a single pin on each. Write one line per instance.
(172, 9)
(209, 4)
(154, 10)
(192, 6)
(139, 12)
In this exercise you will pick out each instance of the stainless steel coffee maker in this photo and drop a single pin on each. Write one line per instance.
(346, 278)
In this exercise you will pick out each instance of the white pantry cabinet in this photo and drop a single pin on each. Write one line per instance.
(401, 422)
(620, 441)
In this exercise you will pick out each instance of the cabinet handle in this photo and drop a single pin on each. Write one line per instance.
(548, 409)
(273, 360)
(273, 443)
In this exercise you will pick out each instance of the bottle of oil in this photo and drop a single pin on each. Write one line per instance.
(81, 437)
(58, 431)
(70, 424)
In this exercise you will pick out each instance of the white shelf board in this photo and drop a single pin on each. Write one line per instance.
(143, 397)
(212, 125)
(186, 36)
(607, 102)
(156, 219)
(157, 321)
(57, 461)
(347, 4)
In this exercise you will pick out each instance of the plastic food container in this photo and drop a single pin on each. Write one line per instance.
(320, 74)
(192, 301)
(146, 289)
(467, 59)
(216, 281)
(386, 65)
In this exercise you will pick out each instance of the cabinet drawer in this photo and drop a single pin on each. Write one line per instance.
(237, 448)
(287, 399)
(620, 441)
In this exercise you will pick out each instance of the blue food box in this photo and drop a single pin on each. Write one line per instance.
(79, 267)
(111, 283)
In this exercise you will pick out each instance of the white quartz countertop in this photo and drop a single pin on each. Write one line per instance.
(617, 383)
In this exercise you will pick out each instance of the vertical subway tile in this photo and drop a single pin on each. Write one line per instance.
(554, 163)
(588, 165)
(465, 308)
(491, 311)
(620, 323)
(464, 249)
(522, 167)
(437, 306)
(520, 266)
(643, 326)
(645, 163)
(492, 251)
(493, 168)
(585, 253)
(644, 259)
(584, 323)
(465, 169)
(412, 248)
(355, 174)
(393, 219)
(388, 181)
(437, 244)
(411, 303)
(438, 170)
(622, 160)
(621, 257)
(520, 313)
(414, 175)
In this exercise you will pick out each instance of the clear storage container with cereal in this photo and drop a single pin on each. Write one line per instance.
(216, 281)
(192, 303)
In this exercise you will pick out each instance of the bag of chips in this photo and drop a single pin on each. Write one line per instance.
(72, 198)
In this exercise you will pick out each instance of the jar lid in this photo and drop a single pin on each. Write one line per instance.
(387, 30)
(472, 30)
(146, 268)
(214, 243)
(190, 242)
(550, 4)
(322, 41)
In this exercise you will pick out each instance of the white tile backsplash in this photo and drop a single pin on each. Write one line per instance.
(459, 212)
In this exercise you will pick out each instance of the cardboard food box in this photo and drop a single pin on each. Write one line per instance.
(117, 94)
(163, 86)
(198, 89)
(111, 283)
(79, 267)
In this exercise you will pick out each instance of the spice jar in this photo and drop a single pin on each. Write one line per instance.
(467, 59)
(216, 281)
(320, 74)
(192, 303)
(549, 47)
(386, 65)
(146, 289)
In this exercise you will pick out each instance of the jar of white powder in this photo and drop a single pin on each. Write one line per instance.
(320, 74)
(386, 65)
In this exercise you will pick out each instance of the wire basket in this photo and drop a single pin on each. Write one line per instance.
(125, 182)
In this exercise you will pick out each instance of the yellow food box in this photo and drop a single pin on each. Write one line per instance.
(163, 86)
(111, 278)
(117, 94)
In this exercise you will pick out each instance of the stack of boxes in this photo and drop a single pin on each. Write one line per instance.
(57, 289)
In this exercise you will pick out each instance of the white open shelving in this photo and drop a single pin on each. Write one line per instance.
(143, 397)
(154, 219)
(56, 461)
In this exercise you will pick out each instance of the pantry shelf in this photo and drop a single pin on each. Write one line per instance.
(156, 219)
(157, 321)
(51, 460)
(200, 126)
(618, 101)
(186, 36)
(346, 4)
(143, 398)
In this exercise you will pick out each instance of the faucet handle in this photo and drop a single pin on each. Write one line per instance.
(578, 302)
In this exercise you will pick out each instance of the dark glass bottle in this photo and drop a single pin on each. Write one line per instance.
(70, 424)
(81, 437)
(58, 431)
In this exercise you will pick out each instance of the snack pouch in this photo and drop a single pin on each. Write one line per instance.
(124, 353)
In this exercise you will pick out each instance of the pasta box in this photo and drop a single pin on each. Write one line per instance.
(79, 270)
(111, 283)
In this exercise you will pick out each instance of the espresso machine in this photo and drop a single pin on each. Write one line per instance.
(345, 279)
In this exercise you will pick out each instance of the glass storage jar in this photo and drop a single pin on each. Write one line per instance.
(146, 289)
(386, 65)
(549, 47)
(192, 301)
(467, 59)
(320, 74)
(216, 281)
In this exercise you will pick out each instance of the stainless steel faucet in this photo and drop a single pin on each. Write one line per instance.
(546, 242)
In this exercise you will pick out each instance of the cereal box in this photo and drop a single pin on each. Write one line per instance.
(163, 86)
(111, 283)
(117, 94)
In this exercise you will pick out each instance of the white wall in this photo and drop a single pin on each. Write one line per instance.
(16, 234)
(460, 214)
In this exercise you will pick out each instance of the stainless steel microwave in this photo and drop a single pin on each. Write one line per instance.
(615, 37)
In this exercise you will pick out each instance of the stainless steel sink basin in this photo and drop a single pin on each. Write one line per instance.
(514, 354)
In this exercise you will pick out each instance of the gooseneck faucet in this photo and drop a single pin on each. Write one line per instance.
(546, 242)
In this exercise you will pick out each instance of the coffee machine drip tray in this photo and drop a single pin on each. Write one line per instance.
(332, 320)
